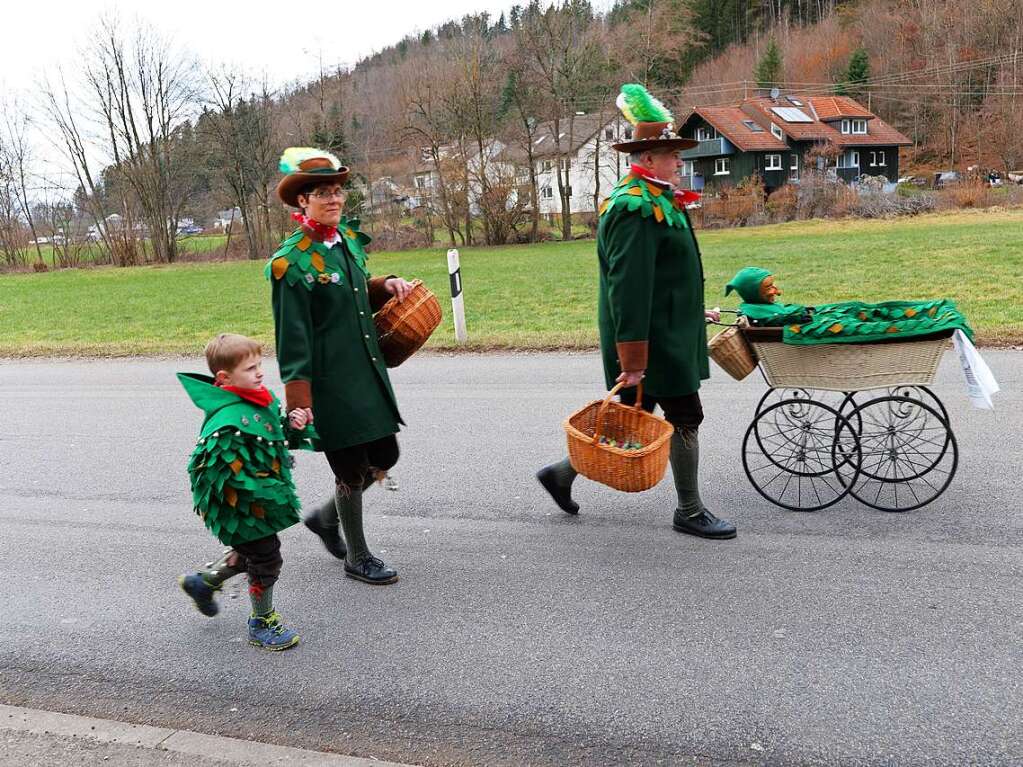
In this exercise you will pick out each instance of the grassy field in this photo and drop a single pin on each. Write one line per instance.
(537, 296)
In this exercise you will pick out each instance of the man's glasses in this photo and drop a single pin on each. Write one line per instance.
(333, 194)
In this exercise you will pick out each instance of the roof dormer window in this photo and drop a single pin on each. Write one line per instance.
(859, 127)
(777, 132)
(845, 126)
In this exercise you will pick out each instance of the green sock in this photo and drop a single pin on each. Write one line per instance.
(216, 573)
(349, 507)
(563, 472)
(262, 598)
(685, 468)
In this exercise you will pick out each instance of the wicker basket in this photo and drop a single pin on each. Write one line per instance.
(628, 470)
(847, 367)
(732, 353)
(404, 326)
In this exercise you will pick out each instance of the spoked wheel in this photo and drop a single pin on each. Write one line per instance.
(801, 454)
(908, 453)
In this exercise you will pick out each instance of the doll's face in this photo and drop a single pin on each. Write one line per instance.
(768, 290)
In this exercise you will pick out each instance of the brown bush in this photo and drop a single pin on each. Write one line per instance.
(782, 203)
(968, 193)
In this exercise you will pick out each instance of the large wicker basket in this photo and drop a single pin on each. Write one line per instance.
(404, 326)
(732, 353)
(628, 470)
(847, 367)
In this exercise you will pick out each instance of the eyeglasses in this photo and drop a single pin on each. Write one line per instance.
(333, 194)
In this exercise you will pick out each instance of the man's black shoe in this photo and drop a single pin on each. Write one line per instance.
(704, 525)
(329, 535)
(561, 495)
(371, 570)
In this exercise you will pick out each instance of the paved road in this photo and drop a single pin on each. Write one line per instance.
(517, 635)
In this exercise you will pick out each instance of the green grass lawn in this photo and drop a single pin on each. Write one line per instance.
(536, 296)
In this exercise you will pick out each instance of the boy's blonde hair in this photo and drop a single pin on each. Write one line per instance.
(227, 350)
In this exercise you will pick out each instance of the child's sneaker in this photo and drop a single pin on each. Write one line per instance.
(201, 593)
(268, 632)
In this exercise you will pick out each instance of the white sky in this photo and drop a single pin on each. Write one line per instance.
(284, 40)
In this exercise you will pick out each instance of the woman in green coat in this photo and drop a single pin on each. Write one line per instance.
(323, 304)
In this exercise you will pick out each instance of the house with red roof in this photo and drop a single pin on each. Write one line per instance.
(773, 137)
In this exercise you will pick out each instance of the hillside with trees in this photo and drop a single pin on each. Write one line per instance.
(151, 135)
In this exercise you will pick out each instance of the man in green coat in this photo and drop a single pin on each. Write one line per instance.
(650, 307)
(330, 361)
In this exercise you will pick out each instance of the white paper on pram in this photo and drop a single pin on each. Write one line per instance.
(980, 383)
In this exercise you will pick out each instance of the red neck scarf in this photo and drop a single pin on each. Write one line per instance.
(682, 196)
(260, 396)
(322, 231)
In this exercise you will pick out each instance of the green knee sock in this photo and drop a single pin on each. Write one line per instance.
(262, 598)
(216, 573)
(563, 472)
(349, 507)
(685, 468)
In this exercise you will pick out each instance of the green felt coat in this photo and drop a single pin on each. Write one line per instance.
(650, 303)
(327, 349)
(240, 470)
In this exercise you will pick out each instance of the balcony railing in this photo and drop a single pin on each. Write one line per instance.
(714, 147)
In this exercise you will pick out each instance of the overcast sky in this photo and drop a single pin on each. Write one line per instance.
(284, 40)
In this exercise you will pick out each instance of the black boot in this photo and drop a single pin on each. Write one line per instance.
(557, 480)
(360, 564)
(324, 522)
(692, 516)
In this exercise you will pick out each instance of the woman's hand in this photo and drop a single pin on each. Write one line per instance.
(714, 315)
(398, 287)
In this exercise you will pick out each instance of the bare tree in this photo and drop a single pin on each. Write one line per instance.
(145, 91)
(18, 161)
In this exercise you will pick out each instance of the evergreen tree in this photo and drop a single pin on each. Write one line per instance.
(768, 71)
(856, 74)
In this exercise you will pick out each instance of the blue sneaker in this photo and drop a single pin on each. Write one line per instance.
(201, 593)
(268, 632)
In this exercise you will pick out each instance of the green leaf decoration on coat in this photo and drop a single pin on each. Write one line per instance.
(296, 259)
(240, 469)
(356, 241)
(636, 194)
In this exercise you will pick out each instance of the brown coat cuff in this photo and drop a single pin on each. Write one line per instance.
(378, 295)
(298, 394)
(632, 355)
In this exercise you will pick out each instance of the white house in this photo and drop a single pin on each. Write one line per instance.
(225, 218)
(592, 163)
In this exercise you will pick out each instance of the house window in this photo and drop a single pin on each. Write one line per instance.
(609, 133)
(721, 167)
(880, 159)
(546, 193)
(873, 159)
(546, 166)
(772, 162)
(752, 126)
(845, 126)
(794, 168)
(777, 132)
(706, 134)
(627, 163)
(687, 167)
(859, 126)
(628, 133)
(850, 159)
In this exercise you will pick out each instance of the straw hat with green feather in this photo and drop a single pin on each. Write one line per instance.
(306, 166)
(653, 123)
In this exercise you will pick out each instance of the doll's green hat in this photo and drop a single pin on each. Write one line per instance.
(746, 283)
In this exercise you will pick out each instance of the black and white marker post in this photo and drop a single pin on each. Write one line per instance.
(457, 306)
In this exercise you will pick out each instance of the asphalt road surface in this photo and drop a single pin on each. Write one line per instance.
(517, 634)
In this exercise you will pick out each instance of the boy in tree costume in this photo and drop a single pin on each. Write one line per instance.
(240, 474)
(651, 308)
(844, 322)
(323, 303)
